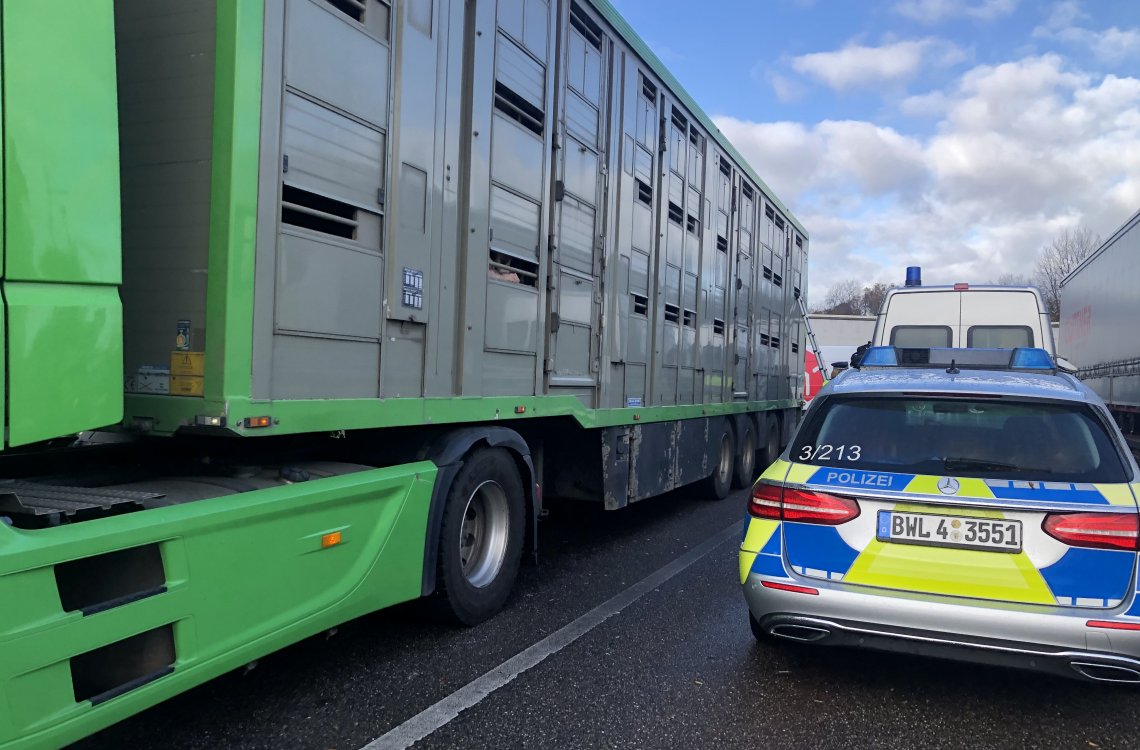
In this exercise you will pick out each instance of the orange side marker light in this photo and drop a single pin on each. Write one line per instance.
(331, 540)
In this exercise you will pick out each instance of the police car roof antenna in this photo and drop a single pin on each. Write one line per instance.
(953, 369)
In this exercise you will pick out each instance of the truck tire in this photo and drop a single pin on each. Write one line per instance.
(744, 465)
(771, 450)
(719, 483)
(481, 537)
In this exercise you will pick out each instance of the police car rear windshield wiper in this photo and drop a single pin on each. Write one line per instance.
(984, 465)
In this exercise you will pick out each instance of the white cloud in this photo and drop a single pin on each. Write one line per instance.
(1112, 45)
(1019, 152)
(936, 11)
(857, 66)
(786, 89)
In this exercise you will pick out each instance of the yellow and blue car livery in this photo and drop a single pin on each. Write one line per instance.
(1045, 571)
(822, 559)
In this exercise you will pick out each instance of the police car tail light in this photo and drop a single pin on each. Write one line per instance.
(1099, 530)
(818, 507)
(766, 499)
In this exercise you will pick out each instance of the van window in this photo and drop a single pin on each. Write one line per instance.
(998, 337)
(920, 337)
(986, 438)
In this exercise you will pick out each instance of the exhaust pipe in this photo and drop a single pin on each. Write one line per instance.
(802, 633)
(1105, 672)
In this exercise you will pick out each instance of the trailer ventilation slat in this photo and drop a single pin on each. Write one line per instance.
(718, 326)
(721, 244)
(518, 109)
(640, 304)
(648, 90)
(672, 313)
(585, 26)
(318, 213)
(767, 273)
(354, 9)
(679, 121)
(689, 318)
(675, 213)
(644, 193)
(524, 272)
(693, 225)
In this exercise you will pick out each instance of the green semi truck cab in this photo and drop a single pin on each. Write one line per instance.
(308, 304)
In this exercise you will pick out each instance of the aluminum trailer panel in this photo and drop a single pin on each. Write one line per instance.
(1099, 316)
(555, 230)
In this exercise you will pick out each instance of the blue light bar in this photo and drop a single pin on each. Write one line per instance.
(880, 356)
(914, 276)
(1022, 358)
(1031, 359)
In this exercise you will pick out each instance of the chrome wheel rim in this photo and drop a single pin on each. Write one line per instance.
(483, 534)
(724, 465)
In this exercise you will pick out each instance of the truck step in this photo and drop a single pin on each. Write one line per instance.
(31, 505)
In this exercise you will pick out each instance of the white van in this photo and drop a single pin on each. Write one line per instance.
(964, 316)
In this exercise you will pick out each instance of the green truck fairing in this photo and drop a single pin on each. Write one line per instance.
(62, 326)
(239, 577)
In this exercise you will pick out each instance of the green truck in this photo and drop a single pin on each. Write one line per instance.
(307, 304)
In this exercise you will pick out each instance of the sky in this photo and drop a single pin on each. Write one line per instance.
(961, 136)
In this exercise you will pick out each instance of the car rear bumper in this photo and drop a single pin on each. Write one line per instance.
(1088, 665)
(1060, 644)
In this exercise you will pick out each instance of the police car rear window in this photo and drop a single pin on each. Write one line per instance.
(986, 438)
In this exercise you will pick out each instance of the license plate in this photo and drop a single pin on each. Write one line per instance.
(988, 534)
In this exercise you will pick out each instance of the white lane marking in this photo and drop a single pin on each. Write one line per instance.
(436, 716)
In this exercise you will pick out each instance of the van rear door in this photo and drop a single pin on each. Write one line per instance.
(1004, 319)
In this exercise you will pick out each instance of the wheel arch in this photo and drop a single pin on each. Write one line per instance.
(448, 451)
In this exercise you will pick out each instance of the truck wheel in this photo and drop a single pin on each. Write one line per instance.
(719, 482)
(744, 470)
(771, 448)
(481, 539)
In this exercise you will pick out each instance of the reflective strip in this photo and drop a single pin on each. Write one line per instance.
(777, 471)
(801, 473)
(746, 560)
(759, 531)
(1116, 494)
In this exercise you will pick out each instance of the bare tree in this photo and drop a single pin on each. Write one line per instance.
(843, 298)
(1013, 279)
(873, 297)
(1058, 258)
(847, 297)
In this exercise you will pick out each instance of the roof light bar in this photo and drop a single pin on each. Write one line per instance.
(970, 359)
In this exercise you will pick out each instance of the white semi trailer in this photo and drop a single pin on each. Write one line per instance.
(1099, 314)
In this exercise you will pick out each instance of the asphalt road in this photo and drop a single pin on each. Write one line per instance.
(673, 667)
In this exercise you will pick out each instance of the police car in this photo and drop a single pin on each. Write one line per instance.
(976, 504)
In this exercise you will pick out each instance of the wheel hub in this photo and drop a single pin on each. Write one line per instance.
(483, 534)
